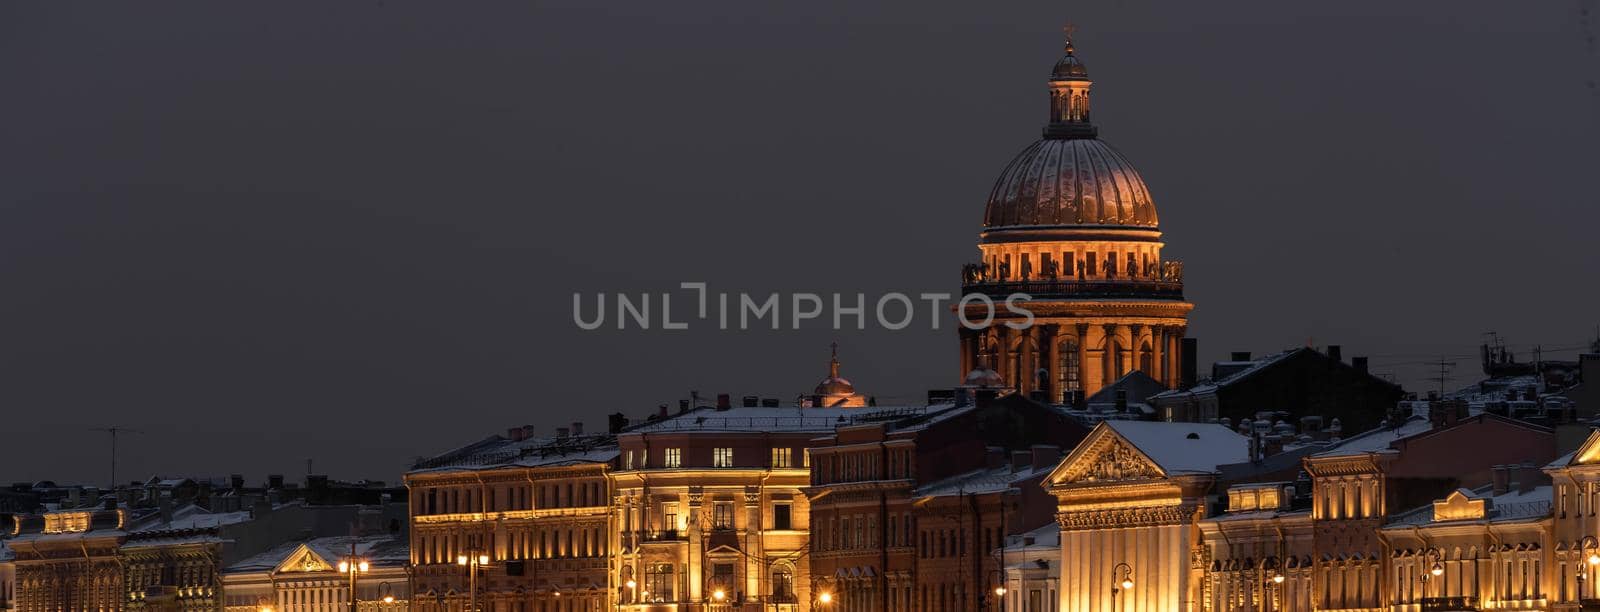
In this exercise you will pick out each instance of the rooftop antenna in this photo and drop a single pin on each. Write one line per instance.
(114, 430)
(1444, 372)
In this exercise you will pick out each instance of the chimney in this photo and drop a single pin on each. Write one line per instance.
(1189, 361)
(274, 481)
(683, 407)
(1122, 400)
(236, 481)
(1239, 356)
(561, 432)
(1020, 460)
(751, 401)
(771, 402)
(1528, 477)
(515, 434)
(1502, 479)
(1045, 456)
(1360, 364)
(577, 428)
(164, 506)
(661, 411)
(616, 422)
(724, 402)
(1272, 444)
(1335, 353)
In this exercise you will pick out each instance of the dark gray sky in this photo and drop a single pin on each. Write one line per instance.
(265, 232)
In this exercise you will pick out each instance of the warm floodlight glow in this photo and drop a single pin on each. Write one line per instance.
(461, 560)
(1000, 591)
(825, 597)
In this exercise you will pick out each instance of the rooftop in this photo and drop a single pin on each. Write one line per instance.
(1179, 448)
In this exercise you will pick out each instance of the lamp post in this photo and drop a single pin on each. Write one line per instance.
(353, 566)
(1269, 599)
(1119, 585)
(999, 588)
(473, 561)
(386, 594)
(1591, 555)
(1435, 569)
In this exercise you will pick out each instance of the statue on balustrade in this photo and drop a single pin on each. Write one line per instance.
(1051, 269)
(1027, 269)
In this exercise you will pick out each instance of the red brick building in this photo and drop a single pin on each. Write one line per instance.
(908, 505)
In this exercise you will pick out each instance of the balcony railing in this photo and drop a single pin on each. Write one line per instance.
(1450, 604)
(1093, 288)
(661, 535)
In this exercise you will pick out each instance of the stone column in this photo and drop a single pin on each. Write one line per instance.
(1108, 370)
(1136, 346)
(969, 351)
(1052, 356)
(695, 563)
(1158, 339)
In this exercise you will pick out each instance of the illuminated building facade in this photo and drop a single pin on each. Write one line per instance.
(708, 509)
(313, 576)
(68, 561)
(1071, 224)
(521, 518)
(907, 504)
(1180, 517)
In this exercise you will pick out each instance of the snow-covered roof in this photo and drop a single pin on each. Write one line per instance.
(499, 452)
(1513, 505)
(380, 550)
(988, 480)
(5, 552)
(187, 518)
(1184, 448)
(1377, 440)
(753, 419)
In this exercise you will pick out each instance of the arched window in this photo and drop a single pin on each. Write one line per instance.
(782, 584)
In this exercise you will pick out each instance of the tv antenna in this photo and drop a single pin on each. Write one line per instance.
(1444, 372)
(114, 430)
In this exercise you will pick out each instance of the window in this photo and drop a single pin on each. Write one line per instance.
(627, 460)
(782, 584)
(781, 457)
(722, 515)
(657, 582)
(674, 458)
(669, 516)
(1089, 263)
(722, 457)
(805, 456)
(781, 518)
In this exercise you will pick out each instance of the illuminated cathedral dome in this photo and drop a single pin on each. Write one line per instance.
(1079, 181)
(1069, 177)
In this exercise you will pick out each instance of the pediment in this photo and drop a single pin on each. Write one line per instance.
(303, 560)
(1589, 453)
(1105, 457)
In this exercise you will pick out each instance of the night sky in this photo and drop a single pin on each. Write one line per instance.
(351, 231)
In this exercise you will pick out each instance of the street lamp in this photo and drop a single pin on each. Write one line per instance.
(825, 598)
(385, 594)
(473, 561)
(1126, 583)
(354, 566)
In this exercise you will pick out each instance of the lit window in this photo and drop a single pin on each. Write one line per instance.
(669, 516)
(805, 456)
(781, 457)
(674, 458)
(722, 515)
(722, 457)
(627, 460)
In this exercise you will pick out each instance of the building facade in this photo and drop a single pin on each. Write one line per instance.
(907, 504)
(1071, 224)
(314, 576)
(516, 523)
(708, 509)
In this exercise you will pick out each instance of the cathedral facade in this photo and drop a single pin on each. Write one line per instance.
(1071, 225)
